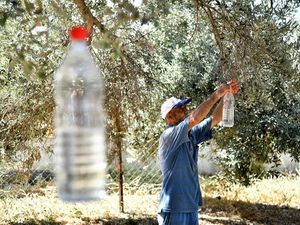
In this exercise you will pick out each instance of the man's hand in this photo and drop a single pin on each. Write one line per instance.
(231, 86)
(204, 108)
(234, 86)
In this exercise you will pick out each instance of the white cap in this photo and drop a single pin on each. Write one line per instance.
(172, 103)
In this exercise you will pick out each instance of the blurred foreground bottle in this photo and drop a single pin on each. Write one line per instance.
(228, 110)
(79, 123)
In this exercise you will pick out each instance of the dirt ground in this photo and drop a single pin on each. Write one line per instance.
(216, 212)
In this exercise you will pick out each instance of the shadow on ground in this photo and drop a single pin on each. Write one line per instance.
(140, 221)
(36, 222)
(87, 221)
(222, 211)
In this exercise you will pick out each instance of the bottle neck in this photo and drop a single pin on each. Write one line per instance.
(78, 45)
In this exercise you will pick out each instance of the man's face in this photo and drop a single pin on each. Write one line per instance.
(176, 115)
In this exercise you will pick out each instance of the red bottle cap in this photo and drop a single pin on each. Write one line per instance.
(79, 33)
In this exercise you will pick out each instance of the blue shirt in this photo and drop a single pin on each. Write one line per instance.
(178, 156)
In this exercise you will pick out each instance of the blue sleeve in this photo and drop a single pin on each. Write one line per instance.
(202, 131)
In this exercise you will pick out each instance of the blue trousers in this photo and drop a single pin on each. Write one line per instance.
(165, 218)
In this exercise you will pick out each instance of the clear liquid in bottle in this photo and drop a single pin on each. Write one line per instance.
(228, 110)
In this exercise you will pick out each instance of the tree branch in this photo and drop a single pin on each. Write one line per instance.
(88, 16)
(93, 21)
(215, 29)
(222, 62)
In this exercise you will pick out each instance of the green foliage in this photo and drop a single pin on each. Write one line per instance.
(27, 63)
(146, 54)
(259, 48)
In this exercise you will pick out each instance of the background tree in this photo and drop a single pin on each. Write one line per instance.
(258, 44)
(151, 52)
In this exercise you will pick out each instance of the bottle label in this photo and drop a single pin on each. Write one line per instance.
(80, 163)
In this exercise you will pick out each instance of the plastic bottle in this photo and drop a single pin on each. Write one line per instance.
(79, 121)
(228, 110)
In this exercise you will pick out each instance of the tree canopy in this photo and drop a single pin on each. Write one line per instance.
(151, 51)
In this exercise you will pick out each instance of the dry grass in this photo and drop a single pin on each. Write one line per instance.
(282, 191)
(273, 201)
(270, 201)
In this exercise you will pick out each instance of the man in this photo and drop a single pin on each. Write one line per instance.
(180, 196)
